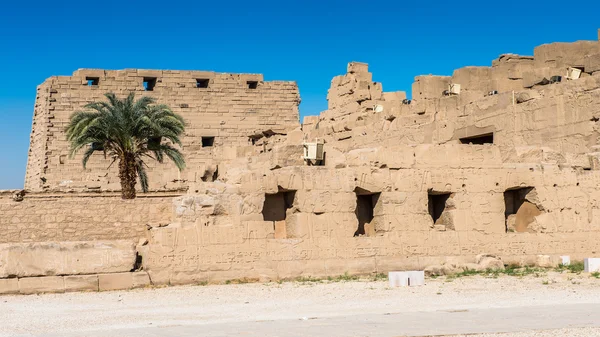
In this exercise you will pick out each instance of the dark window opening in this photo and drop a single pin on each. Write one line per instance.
(276, 205)
(252, 84)
(92, 81)
(208, 141)
(487, 138)
(202, 82)
(149, 83)
(365, 206)
(519, 212)
(437, 204)
(555, 79)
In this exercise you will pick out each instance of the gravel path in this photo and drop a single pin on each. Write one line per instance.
(181, 310)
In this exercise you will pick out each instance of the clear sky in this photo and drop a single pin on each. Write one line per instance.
(306, 41)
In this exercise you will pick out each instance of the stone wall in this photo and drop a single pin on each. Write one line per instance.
(512, 101)
(55, 217)
(229, 107)
(238, 231)
(509, 165)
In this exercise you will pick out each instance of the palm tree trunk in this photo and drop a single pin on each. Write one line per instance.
(128, 176)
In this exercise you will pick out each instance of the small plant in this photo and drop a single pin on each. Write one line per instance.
(380, 277)
(345, 278)
(595, 274)
(545, 282)
(575, 267)
(308, 279)
(241, 281)
(202, 283)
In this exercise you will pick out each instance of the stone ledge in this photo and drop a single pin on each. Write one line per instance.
(72, 283)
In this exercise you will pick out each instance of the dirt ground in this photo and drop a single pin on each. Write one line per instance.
(533, 305)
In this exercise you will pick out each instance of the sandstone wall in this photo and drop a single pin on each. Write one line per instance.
(508, 166)
(243, 230)
(512, 101)
(80, 217)
(228, 107)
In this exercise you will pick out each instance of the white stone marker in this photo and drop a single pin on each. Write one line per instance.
(565, 260)
(591, 264)
(406, 278)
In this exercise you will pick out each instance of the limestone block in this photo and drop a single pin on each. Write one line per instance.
(560, 54)
(287, 155)
(298, 226)
(36, 285)
(396, 157)
(324, 201)
(591, 63)
(372, 180)
(140, 279)
(406, 278)
(591, 265)
(66, 258)
(565, 260)
(280, 230)
(536, 76)
(309, 121)
(473, 78)
(289, 179)
(547, 261)
(259, 230)
(81, 283)
(358, 67)
(427, 87)
(117, 281)
(9, 286)
(394, 97)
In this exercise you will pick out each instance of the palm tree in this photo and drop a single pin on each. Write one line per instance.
(128, 131)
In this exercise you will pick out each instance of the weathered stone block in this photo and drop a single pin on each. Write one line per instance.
(81, 283)
(118, 281)
(36, 285)
(9, 286)
(140, 279)
(66, 258)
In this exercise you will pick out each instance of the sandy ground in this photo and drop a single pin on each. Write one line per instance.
(522, 306)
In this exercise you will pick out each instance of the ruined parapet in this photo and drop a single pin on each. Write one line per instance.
(356, 93)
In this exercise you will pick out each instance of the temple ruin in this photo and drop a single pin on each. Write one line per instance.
(500, 160)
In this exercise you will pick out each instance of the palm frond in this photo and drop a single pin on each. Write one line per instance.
(124, 127)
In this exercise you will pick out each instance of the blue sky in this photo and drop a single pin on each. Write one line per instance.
(306, 41)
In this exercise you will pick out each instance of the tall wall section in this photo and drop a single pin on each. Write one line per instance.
(58, 217)
(229, 107)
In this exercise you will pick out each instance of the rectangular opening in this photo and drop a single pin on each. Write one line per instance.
(252, 84)
(149, 83)
(92, 81)
(487, 138)
(437, 204)
(365, 206)
(519, 212)
(276, 205)
(208, 141)
(202, 82)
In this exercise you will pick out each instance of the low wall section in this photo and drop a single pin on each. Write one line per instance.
(42, 217)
